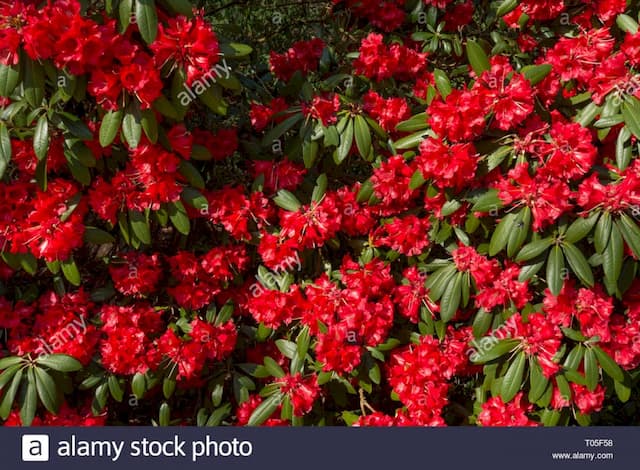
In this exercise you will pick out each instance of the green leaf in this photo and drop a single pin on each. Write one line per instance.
(9, 78)
(574, 358)
(537, 381)
(265, 409)
(442, 83)
(591, 372)
(212, 97)
(451, 298)
(281, 128)
(149, 125)
(610, 366)
(147, 20)
(623, 151)
(631, 113)
(218, 415)
(346, 141)
(363, 137)
(497, 157)
(5, 148)
(439, 281)
(627, 24)
(76, 126)
(114, 388)
(563, 387)
(131, 129)
(29, 401)
(10, 394)
(501, 234)
(287, 201)
(519, 232)
(477, 57)
(578, 264)
(179, 218)
(164, 414)
(310, 150)
(191, 174)
(580, 228)
(415, 123)
(500, 348)
(586, 115)
(139, 385)
(10, 361)
(417, 180)
(536, 73)
(235, 50)
(481, 323)
(320, 188)
(70, 271)
(603, 232)
(59, 362)
(612, 260)
(97, 236)
(273, 367)
(41, 137)
(140, 226)
(195, 199)
(630, 232)
(47, 390)
(109, 127)
(489, 201)
(555, 268)
(411, 141)
(506, 6)
(623, 389)
(125, 7)
(512, 380)
(8, 374)
(33, 83)
(533, 249)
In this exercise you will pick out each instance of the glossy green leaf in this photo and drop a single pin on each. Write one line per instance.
(59, 362)
(140, 226)
(47, 390)
(580, 228)
(499, 349)
(265, 409)
(631, 112)
(555, 270)
(147, 20)
(70, 271)
(346, 141)
(536, 73)
(179, 218)
(578, 264)
(5, 148)
(630, 232)
(591, 372)
(363, 137)
(450, 300)
(477, 57)
(29, 399)
(287, 201)
(610, 366)
(109, 127)
(9, 395)
(512, 380)
(501, 234)
(41, 137)
(533, 249)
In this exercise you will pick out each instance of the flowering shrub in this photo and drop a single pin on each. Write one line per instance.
(426, 220)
